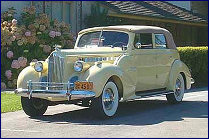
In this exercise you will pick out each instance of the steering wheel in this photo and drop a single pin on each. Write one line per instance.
(118, 43)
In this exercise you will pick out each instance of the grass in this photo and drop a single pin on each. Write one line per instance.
(10, 102)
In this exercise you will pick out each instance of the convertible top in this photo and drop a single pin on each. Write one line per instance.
(138, 29)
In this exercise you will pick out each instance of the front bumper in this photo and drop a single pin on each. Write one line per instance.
(53, 91)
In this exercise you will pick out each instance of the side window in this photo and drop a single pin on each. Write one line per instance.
(160, 41)
(145, 39)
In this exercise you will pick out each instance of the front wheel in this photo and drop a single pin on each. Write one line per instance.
(178, 94)
(107, 104)
(34, 106)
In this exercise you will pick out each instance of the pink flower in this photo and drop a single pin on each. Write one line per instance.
(27, 33)
(13, 38)
(9, 83)
(14, 21)
(22, 61)
(42, 28)
(58, 34)
(15, 64)
(8, 74)
(47, 49)
(52, 34)
(15, 81)
(19, 42)
(9, 54)
(34, 60)
(3, 86)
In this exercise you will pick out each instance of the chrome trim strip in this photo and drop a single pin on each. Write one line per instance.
(55, 68)
(157, 94)
(52, 89)
(55, 93)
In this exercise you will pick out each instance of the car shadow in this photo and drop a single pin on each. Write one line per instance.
(196, 89)
(142, 112)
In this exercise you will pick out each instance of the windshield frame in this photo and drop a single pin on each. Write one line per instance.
(101, 31)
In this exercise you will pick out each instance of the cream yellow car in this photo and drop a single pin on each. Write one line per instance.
(108, 65)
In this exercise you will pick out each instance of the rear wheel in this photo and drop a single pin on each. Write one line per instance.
(34, 106)
(178, 94)
(107, 104)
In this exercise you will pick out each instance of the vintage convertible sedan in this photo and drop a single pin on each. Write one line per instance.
(108, 65)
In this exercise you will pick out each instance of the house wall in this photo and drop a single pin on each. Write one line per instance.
(61, 10)
(18, 5)
(200, 7)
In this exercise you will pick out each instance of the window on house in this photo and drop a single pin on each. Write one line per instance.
(160, 41)
(54, 9)
(145, 39)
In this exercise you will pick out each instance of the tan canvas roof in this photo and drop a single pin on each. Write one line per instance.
(138, 29)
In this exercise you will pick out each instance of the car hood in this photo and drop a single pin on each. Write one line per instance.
(65, 59)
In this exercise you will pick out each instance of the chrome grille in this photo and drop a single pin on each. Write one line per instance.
(56, 68)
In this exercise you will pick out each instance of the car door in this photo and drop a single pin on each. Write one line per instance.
(144, 59)
(164, 59)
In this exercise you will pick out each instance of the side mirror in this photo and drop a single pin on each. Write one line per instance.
(138, 45)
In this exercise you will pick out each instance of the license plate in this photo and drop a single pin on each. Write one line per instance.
(83, 86)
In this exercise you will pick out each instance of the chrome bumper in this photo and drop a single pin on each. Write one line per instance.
(50, 92)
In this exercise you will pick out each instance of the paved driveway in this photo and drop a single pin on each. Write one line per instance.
(152, 117)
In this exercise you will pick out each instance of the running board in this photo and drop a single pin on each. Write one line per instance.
(153, 94)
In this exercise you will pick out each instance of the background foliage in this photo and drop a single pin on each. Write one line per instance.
(27, 39)
(196, 58)
(99, 17)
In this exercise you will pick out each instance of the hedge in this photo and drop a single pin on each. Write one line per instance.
(196, 58)
(28, 39)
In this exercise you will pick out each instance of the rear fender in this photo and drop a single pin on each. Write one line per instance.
(177, 68)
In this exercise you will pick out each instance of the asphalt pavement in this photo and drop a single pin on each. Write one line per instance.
(150, 117)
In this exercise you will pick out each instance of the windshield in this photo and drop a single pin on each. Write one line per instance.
(104, 39)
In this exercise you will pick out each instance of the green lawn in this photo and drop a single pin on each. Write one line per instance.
(10, 102)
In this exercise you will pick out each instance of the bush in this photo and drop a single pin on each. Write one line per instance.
(29, 39)
(196, 58)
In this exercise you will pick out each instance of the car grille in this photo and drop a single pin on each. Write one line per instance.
(55, 68)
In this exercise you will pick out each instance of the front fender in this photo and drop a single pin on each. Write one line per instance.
(179, 67)
(25, 75)
(99, 75)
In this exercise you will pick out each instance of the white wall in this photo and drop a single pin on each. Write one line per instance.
(18, 5)
(183, 4)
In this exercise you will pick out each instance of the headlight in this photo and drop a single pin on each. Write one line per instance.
(38, 66)
(78, 66)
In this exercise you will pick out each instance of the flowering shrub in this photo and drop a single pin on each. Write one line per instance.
(29, 39)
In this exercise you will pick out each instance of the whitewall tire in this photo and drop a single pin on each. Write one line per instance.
(178, 94)
(107, 104)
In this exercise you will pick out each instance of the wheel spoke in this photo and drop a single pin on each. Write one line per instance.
(178, 87)
(108, 99)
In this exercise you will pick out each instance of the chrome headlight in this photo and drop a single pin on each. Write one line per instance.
(38, 66)
(78, 66)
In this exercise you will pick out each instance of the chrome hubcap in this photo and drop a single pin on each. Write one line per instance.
(178, 87)
(108, 99)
